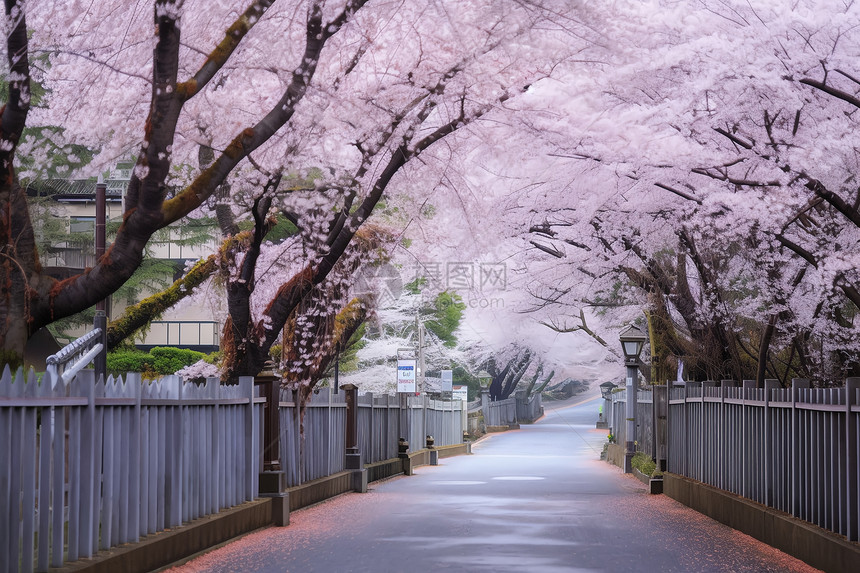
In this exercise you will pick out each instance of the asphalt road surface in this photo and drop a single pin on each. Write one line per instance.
(532, 500)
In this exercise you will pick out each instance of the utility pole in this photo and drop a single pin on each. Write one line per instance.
(423, 386)
(100, 320)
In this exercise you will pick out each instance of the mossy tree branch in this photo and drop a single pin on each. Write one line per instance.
(138, 316)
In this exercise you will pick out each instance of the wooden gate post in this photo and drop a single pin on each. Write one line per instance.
(660, 405)
(268, 383)
(272, 480)
(353, 454)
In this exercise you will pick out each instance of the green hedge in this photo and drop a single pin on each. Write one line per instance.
(161, 360)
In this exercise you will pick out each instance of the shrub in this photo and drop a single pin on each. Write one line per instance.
(125, 360)
(167, 360)
(643, 462)
(159, 361)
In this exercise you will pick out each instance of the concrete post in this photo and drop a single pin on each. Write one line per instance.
(429, 442)
(100, 320)
(630, 437)
(403, 454)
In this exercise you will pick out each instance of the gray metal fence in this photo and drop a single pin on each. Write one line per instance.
(615, 411)
(794, 449)
(85, 466)
(501, 412)
(529, 409)
(511, 410)
(378, 429)
(441, 419)
(321, 452)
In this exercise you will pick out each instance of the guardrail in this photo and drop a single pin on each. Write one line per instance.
(76, 355)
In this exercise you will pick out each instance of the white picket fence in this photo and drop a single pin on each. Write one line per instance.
(87, 466)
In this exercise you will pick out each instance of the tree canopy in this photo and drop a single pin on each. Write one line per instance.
(691, 160)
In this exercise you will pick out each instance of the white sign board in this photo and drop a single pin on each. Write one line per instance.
(447, 380)
(460, 393)
(406, 376)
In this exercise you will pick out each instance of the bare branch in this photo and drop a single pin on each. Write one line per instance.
(844, 96)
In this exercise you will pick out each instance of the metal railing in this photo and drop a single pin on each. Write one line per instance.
(794, 449)
(76, 355)
(513, 410)
(95, 464)
(313, 447)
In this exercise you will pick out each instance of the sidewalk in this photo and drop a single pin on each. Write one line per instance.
(532, 500)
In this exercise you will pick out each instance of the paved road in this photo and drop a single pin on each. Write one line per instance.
(533, 500)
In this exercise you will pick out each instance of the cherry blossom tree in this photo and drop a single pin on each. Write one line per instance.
(34, 299)
(359, 88)
(709, 184)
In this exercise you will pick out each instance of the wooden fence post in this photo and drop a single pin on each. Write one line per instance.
(353, 454)
(267, 381)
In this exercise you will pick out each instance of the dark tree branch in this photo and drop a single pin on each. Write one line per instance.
(734, 138)
(679, 193)
(839, 94)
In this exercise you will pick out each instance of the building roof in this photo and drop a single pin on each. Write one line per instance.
(75, 189)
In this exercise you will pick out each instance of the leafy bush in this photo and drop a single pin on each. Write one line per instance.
(129, 359)
(159, 361)
(643, 462)
(167, 360)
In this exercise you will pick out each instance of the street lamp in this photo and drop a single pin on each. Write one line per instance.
(484, 378)
(632, 341)
(606, 393)
(606, 390)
